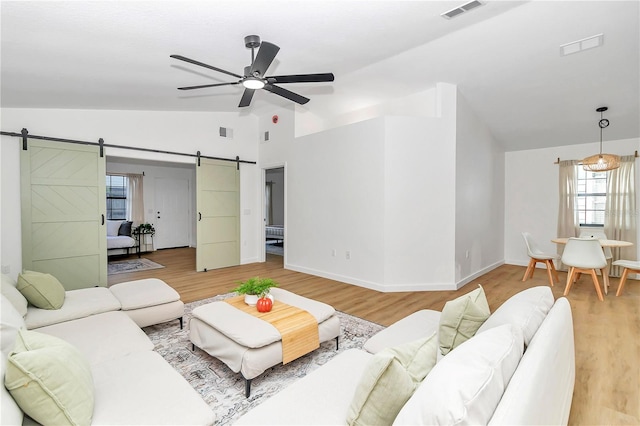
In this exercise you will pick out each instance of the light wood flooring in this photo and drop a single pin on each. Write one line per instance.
(607, 334)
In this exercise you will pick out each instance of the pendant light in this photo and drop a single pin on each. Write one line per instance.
(601, 162)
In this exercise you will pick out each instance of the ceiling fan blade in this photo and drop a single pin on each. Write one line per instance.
(301, 78)
(266, 54)
(246, 97)
(286, 94)
(192, 61)
(208, 85)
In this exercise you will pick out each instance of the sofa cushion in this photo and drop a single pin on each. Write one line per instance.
(461, 318)
(78, 304)
(125, 228)
(8, 287)
(416, 326)
(526, 310)
(43, 291)
(541, 389)
(50, 380)
(102, 337)
(400, 369)
(10, 413)
(466, 385)
(143, 389)
(113, 226)
(11, 323)
(322, 397)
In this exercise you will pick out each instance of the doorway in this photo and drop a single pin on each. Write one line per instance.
(274, 194)
(171, 216)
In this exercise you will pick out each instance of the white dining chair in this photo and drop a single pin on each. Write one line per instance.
(536, 256)
(630, 266)
(584, 256)
(599, 235)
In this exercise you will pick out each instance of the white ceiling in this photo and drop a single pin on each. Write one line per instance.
(504, 57)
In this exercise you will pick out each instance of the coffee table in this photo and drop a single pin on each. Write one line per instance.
(250, 345)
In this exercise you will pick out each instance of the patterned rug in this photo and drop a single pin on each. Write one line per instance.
(223, 389)
(131, 265)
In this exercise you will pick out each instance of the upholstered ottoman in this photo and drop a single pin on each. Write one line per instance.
(149, 301)
(248, 344)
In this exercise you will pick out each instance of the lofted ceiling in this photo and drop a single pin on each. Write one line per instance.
(504, 57)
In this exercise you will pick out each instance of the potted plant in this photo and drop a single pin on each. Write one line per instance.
(255, 288)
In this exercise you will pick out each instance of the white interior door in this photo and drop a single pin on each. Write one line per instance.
(63, 212)
(218, 210)
(172, 213)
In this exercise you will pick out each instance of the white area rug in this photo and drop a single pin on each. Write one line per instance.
(131, 265)
(223, 389)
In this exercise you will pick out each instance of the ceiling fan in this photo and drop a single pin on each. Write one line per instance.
(254, 75)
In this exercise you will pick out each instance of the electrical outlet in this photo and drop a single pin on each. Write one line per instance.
(333, 252)
(6, 269)
(347, 255)
(466, 254)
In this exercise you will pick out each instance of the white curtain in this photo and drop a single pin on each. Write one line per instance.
(135, 199)
(568, 224)
(621, 211)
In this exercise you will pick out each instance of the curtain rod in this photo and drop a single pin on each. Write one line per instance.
(558, 159)
(24, 134)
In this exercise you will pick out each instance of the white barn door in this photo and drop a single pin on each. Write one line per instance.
(63, 212)
(218, 210)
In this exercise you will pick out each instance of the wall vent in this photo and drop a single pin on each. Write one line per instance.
(461, 9)
(580, 45)
(266, 136)
(226, 132)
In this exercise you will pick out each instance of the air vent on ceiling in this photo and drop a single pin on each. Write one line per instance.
(580, 45)
(461, 9)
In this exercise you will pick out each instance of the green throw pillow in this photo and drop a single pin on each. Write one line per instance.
(391, 377)
(461, 318)
(50, 380)
(43, 291)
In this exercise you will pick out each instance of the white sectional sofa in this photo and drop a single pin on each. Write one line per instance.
(519, 368)
(132, 384)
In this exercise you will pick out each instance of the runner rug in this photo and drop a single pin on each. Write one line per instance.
(131, 265)
(223, 389)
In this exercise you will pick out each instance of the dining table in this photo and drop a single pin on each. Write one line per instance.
(603, 243)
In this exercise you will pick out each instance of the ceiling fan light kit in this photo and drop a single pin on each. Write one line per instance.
(601, 162)
(254, 77)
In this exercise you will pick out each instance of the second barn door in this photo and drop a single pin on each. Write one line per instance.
(218, 214)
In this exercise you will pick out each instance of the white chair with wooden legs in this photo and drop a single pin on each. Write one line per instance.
(536, 256)
(598, 235)
(584, 256)
(630, 266)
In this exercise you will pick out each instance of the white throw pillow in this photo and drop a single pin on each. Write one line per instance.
(11, 322)
(8, 288)
(466, 386)
(113, 226)
(526, 310)
(10, 413)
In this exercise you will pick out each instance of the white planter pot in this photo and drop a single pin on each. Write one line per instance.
(250, 299)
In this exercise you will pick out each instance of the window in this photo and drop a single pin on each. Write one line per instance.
(116, 197)
(592, 196)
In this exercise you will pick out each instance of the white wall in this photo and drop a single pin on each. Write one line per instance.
(186, 132)
(479, 197)
(532, 191)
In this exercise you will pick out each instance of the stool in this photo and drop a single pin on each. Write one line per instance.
(149, 301)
